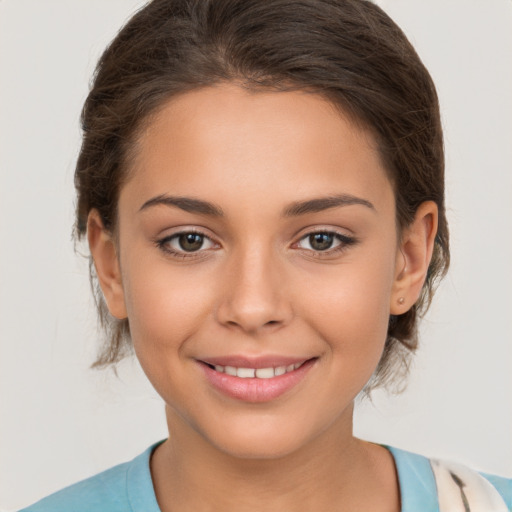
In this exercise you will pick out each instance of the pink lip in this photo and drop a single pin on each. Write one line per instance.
(254, 389)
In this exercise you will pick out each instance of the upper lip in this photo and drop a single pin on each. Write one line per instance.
(264, 361)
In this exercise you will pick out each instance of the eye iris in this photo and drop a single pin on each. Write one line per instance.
(190, 241)
(321, 241)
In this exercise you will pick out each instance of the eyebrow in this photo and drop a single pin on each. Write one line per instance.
(187, 204)
(324, 203)
(315, 205)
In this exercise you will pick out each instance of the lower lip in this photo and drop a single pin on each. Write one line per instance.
(254, 389)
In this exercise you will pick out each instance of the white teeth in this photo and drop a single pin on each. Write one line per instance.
(259, 373)
(245, 373)
(280, 370)
(265, 373)
(230, 370)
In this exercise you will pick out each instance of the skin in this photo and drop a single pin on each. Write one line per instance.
(257, 286)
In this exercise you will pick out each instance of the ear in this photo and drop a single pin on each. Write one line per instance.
(413, 258)
(106, 262)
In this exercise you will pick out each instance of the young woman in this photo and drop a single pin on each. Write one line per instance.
(261, 184)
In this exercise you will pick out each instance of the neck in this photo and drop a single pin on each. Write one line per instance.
(189, 473)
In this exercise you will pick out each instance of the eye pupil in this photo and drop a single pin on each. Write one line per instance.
(321, 241)
(190, 242)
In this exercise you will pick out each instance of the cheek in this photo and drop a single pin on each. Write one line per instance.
(165, 311)
(164, 307)
(350, 311)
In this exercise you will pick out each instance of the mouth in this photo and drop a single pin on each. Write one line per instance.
(256, 373)
(260, 380)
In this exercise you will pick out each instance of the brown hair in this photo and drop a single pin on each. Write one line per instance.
(349, 51)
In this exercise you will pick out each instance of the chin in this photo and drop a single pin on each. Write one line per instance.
(259, 448)
(260, 437)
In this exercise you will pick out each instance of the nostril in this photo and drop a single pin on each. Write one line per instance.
(251, 312)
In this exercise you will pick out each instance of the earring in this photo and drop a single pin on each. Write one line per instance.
(401, 300)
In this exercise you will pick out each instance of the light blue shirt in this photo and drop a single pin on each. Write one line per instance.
(128, 488)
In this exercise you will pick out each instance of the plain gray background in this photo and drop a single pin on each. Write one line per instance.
(61, 422)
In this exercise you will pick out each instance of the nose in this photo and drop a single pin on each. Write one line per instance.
(254, 297)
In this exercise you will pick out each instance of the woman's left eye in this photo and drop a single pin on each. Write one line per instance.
(186, 242)
(324, 241)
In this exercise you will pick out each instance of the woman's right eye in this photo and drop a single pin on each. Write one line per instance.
(186, 243)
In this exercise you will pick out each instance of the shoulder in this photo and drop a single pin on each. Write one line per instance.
(127, 486)
(107, 489)
(503, 485)
(448, 486)
(457, 483)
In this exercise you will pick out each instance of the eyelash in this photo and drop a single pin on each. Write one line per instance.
(344, 242)
(163, 244)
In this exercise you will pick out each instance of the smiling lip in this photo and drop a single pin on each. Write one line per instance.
(221, 372)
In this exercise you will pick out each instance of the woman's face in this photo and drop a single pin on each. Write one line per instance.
(257, 234)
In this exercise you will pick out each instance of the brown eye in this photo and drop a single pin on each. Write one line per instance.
(328, 242)
(190, 242)
(186, 242)
(321, 241)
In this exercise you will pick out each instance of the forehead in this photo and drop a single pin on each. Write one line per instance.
(220, 140)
